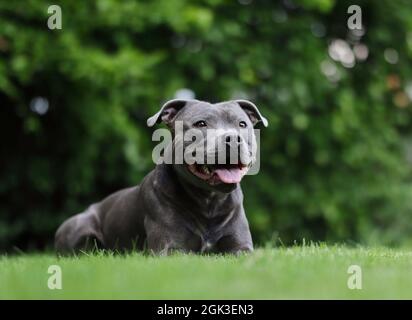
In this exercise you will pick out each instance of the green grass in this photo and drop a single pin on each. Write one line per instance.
(312, 272)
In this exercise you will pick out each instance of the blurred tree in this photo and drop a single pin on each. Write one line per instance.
(73, 105)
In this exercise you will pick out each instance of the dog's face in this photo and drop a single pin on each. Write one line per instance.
(217, 140)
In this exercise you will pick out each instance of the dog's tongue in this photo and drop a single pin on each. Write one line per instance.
(232, 175)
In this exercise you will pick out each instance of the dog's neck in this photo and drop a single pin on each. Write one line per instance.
(204, 201)
(209, 205)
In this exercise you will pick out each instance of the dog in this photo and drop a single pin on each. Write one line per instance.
(179, 207)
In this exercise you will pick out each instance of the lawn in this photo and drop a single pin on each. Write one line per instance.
(312, 272)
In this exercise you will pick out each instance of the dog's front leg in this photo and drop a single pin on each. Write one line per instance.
(233, 244)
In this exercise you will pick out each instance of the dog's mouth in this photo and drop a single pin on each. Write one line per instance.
(219, 173)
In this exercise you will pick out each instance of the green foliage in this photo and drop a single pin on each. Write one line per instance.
(334, 164)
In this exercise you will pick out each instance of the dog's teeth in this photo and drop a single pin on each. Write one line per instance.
(205, 169)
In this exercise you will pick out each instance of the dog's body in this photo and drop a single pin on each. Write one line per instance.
(173, 208)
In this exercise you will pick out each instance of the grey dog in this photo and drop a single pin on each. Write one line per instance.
(184, 207)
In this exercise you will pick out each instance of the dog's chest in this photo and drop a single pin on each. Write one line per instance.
(207, 246)
(208, 240)
(209, 226)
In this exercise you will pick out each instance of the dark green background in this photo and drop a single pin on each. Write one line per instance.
(334, 158)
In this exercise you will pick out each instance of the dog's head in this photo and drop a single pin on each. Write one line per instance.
(217, 141)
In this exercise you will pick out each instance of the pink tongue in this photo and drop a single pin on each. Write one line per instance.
(233, 175)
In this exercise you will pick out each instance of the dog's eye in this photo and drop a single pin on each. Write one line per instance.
(200, 124)
(242, 124)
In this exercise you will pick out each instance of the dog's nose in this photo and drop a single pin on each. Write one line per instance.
(230, 147)
(233, 139)
(233, 145)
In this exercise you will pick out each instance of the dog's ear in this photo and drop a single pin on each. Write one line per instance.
(253, 112)
(167, 112)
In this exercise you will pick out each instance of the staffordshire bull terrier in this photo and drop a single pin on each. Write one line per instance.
(190, 206)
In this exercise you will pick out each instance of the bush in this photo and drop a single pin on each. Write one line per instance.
(334, 160)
